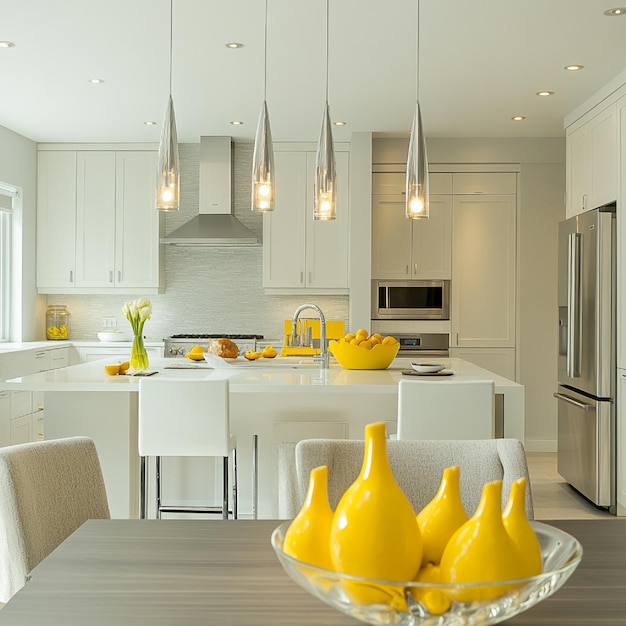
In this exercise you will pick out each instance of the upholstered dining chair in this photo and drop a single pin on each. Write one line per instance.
(186, 418)
(417, 467)
(47, 490)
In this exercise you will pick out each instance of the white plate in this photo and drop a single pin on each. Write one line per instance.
(114, 335)
(427, 368)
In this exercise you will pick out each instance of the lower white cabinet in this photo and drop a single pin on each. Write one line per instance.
(498, 360)
(5, 418)
(114, 353)
(620, 437)
(22, 430)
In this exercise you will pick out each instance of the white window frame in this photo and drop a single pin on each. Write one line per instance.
(7, 214)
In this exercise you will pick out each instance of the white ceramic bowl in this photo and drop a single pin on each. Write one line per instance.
(427, 368)
(114, 335)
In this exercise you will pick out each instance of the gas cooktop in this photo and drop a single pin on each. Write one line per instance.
(213, 336)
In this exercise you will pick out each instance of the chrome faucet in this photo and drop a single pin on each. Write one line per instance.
(323, 357)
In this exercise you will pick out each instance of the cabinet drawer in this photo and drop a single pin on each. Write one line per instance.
(476, 182)
(59, 357)
(42, 361)
(21, 403)
(22, 429)
(393, 183)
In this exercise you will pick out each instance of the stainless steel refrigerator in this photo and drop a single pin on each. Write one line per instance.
(586, 361)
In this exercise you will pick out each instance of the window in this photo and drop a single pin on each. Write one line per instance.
(7, 194)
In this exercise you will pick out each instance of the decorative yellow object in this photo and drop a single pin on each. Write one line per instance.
(334, 330)
(482, 551)
(521, 532)
(137, 312)
(354, 357)
(435, 600)
(374, 533)
(194, 356)
(197, 350)
(112, 369)
(442, 516)
(269, 352)
(57, 332)
(308, 536)
(251, 355)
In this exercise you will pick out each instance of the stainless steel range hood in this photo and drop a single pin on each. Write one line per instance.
(215, 225)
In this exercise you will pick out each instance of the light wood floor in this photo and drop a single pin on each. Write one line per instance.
(553, 498)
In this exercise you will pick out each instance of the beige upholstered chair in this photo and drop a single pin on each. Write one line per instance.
(417, 467)
(47, 490)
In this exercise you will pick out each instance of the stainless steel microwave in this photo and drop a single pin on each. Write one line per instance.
(411, 299)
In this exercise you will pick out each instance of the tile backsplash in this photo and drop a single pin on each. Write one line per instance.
(207, 290)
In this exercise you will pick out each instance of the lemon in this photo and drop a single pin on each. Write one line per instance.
(349, 337)
(366, 344)
(124, 367)
(389, 341)
(356, 341)
(269, 352)
(361, 333)
(197, 350)
(112, 369)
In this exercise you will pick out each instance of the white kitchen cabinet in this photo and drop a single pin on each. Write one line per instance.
(301, 255)
(5, 418)
(114, 353)
(620, 437)
(410, 249)
(483, 271)
(21, 430)
(114, 242)
(621, 242)
(498, 360)
(592, 161)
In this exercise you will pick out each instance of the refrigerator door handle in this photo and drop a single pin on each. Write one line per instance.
(573, 306)
(581, 405)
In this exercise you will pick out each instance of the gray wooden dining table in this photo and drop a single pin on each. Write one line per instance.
(192, 572)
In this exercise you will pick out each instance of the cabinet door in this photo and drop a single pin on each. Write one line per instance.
(621, 248)
(5, 418)
(577, 172)
(391, 238)
(603, 146)
(95, 220)
(621, 442)
(137, 243)
(22, 429)
(432, 241)
(284, 228)
(56, 220)
(327, 242)
(498, 360)
(483, 271)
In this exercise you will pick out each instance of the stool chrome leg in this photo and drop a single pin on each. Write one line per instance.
(235, 504)
(255, 476)
(158, 487)
(225, 489)
(143, 488)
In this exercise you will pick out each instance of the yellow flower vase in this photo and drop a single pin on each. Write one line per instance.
(374, 532)
(138, 355)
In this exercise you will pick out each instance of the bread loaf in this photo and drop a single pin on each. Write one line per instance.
(223, 347)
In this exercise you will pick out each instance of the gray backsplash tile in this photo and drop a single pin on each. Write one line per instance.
(208, 290)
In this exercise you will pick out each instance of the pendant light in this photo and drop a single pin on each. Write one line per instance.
(168, 173)
(325, 183)
(417, 203)
(263, 184)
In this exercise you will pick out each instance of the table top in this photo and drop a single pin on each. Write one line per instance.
(192, 572)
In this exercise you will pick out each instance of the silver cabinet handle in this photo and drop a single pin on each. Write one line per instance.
(110, 276)
(581, 405)
(71, 276)
(119, 276)
(406, 270)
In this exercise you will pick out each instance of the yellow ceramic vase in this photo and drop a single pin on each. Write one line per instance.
(308, 536)
(374, 533)
(442, 516)
(521, 532)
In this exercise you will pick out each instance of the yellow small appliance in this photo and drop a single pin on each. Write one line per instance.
(308, 330)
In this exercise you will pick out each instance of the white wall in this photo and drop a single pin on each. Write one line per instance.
(18, 167)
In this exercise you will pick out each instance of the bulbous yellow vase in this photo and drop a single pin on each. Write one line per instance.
(521, 532)
(374, 532)
(481, 550)
(308, 536)
(442, 516)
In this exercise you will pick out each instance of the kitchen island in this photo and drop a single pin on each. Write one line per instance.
(281, 401)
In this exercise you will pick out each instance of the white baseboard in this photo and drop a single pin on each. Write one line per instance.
(540, 445)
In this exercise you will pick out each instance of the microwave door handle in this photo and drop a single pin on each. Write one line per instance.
(573, 306)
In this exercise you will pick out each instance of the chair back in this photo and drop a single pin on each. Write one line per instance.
(434, 409)
(418, 467)
(184, 417)
(47, 490)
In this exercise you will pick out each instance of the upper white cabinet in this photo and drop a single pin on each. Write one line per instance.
(484, 266)
(301, 255)
(592, 161)
(621, 246)
(404, 248)
(98, 228)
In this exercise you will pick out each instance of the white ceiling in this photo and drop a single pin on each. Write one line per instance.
(481, 62)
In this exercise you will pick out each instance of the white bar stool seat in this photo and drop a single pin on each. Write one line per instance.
(186, 418)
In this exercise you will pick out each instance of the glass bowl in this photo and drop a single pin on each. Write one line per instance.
(352, 357)
(435, 604)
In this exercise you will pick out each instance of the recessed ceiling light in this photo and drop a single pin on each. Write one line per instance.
(237, 123)
(340, 123)
(234, 45)
(518, 118)
(616, 11)
(545, 93)
(7, 44)
(150, 123)
(96, 81)
(573, 68)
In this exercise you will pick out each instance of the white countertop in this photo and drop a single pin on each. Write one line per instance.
(282, 375)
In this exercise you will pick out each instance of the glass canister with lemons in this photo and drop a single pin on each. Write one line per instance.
(57, 322)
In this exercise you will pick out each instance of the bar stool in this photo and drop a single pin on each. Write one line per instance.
(186, 418)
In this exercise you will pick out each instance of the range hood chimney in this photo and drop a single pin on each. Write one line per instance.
(215, 225)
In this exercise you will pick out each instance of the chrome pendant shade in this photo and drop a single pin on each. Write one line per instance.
(325, 183)
(168, 173)
(168, 168)
(417, 204)
(263, 165)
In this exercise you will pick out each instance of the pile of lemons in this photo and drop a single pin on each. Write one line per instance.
(114, 369)
(362, 339)
(269, 352)
(57, 332)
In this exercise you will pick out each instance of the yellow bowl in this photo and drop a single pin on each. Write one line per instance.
(353, 357)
